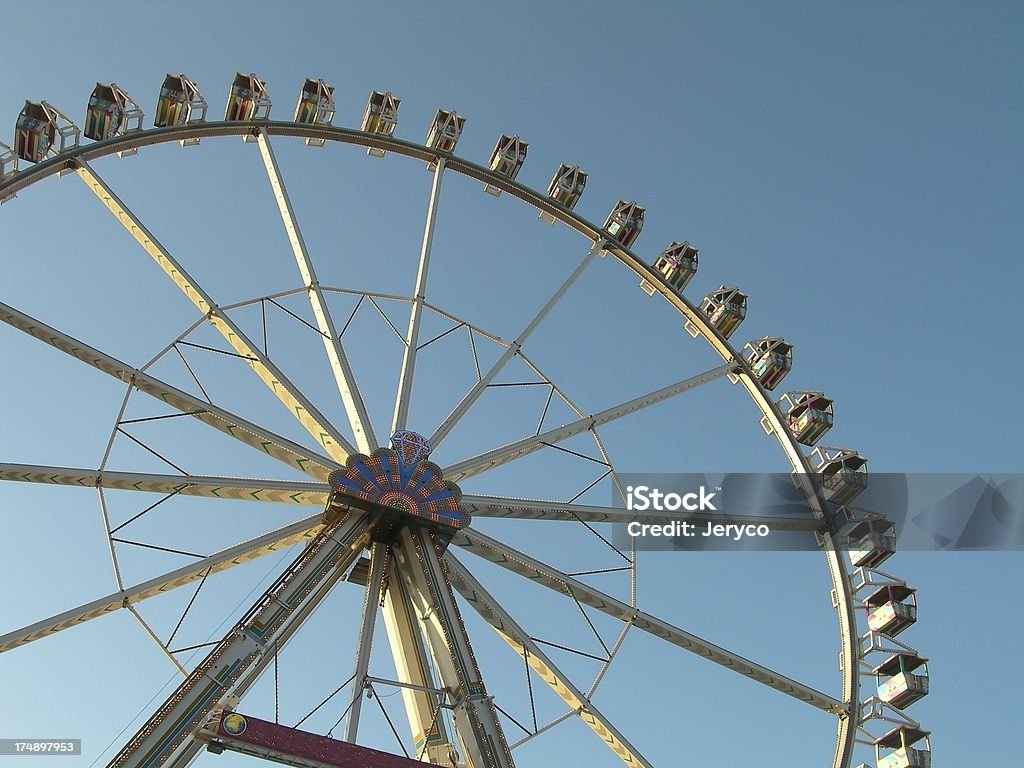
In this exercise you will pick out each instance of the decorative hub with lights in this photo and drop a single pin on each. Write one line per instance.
(400, 477)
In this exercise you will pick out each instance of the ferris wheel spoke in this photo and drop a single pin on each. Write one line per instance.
(484, 461)
(474, 394)
(355, 408)
(541, 573)
(379, 554)
(298, 404)
(404, 397)
(535, 509)
(274, 541)
(479, 730)
(273, 491)
(520, 641)
(281, 448)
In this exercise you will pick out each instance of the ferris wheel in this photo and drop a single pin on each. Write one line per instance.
(384, 512)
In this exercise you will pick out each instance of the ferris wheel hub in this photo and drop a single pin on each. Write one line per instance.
(401, 478)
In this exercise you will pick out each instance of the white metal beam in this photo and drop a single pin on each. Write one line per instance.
(476, 719)
(412, 664)
(452, 420)
(404, 397)
(273, 491)
(379, 554)
(298, 404)
(355, 408)
(541, 573)
(281, 448)
(484, 461)
(520, 641)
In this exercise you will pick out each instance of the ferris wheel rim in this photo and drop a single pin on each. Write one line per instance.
(841, 582)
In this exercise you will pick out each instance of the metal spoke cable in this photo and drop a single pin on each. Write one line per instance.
(194, 647)
(529, 687)
(155, 453)
(590, 623)
(440, 336)
(351, 317)
(570, 452)
(158, 548)
(195, 378)
(315, 709)
(292, 314)
(263, 312)
(598, 480)
(373, 693)
(188, 607)
(159, 418)
(218, 351)
(600, 571)
(584, 654)
(387, 319)
(173, 493)
(515, 722)
(544, 412)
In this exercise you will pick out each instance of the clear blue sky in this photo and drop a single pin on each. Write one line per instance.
(852, 167)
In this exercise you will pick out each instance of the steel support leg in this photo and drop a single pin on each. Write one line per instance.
(477, 726)
(412, 663)
(378, 557)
